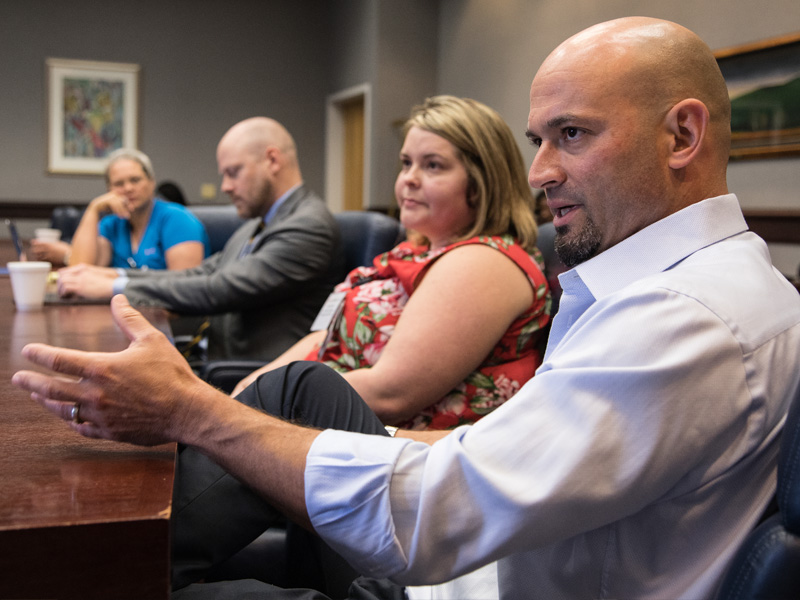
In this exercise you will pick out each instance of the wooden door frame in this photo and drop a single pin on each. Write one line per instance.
(335, 140)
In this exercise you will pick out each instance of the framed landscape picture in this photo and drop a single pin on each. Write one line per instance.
(92, 110)
(764, 86)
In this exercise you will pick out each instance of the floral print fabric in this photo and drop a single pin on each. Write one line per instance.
(374, 301)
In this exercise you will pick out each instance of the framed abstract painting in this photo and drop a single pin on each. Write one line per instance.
(92, 110)
(764, 86)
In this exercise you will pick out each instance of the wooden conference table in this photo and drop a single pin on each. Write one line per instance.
(79, 518)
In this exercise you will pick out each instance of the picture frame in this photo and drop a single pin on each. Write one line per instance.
(92, 110)
(764, 86)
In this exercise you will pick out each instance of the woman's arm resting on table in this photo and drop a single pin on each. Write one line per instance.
(461, 309)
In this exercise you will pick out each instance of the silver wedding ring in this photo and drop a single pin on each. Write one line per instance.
(74, 414)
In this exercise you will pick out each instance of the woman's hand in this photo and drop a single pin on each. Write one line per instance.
(111, 202)
(53, 252)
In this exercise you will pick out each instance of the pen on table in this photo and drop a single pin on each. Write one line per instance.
(12, 228)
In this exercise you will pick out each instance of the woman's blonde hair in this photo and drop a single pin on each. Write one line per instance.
(134, 155)
(497, 187)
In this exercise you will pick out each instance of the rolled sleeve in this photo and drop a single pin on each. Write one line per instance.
(348, 495)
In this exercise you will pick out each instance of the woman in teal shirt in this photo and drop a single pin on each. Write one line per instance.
(128, 227)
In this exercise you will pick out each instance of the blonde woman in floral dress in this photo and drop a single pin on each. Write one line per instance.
(447, 326)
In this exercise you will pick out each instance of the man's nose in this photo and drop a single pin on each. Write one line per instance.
(546, 169)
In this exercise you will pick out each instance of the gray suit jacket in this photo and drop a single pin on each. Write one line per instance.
(262, 303)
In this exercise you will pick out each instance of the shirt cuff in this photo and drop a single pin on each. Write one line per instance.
(119, 284)
(347, 480)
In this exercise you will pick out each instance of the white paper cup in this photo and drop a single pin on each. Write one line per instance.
(45, 234)
(29, 283)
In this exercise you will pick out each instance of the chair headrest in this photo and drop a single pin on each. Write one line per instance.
(66, 218)
(367, 234)
(220, 222)
(553, 267)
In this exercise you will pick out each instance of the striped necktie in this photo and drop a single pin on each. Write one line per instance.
(248, 247)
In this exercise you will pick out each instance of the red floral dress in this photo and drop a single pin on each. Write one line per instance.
(374, 301)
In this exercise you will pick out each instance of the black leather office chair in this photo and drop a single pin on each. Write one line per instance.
(66, 219)
(220, 221)
(364, 236)
(768, 563)
(552, 263)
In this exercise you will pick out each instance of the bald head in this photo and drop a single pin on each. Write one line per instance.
(632, 123)
(258, 163)
(657, 63)
(256, 134)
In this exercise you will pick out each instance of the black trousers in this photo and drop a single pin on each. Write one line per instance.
(362, 588)
(215, 515)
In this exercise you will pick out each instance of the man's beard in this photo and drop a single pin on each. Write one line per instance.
(261, 202)
(578, 247)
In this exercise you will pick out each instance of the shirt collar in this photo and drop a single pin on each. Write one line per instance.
(277, 204)
(659, 246)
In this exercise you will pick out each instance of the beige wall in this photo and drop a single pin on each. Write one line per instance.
(209, 63)
(205, 64)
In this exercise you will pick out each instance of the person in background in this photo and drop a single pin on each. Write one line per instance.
(171, 191)
(58, 253)
(130, 227)
(541, 210)
(263, 289)
(642, 453)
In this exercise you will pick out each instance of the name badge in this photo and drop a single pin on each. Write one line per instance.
(329, 311)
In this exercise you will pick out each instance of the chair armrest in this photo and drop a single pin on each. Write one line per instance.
(225, 374)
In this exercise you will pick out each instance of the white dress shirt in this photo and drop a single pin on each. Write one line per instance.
(635, 461)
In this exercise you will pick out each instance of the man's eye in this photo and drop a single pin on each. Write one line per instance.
(571, 132)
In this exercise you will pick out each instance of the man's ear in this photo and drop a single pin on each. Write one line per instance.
(275, 158)
(687, 123)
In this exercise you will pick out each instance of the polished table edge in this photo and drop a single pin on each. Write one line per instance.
(79, 518)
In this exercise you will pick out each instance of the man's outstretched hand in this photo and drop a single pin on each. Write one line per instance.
(140, 395)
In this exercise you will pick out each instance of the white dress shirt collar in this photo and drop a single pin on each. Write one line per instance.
(677, 236)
